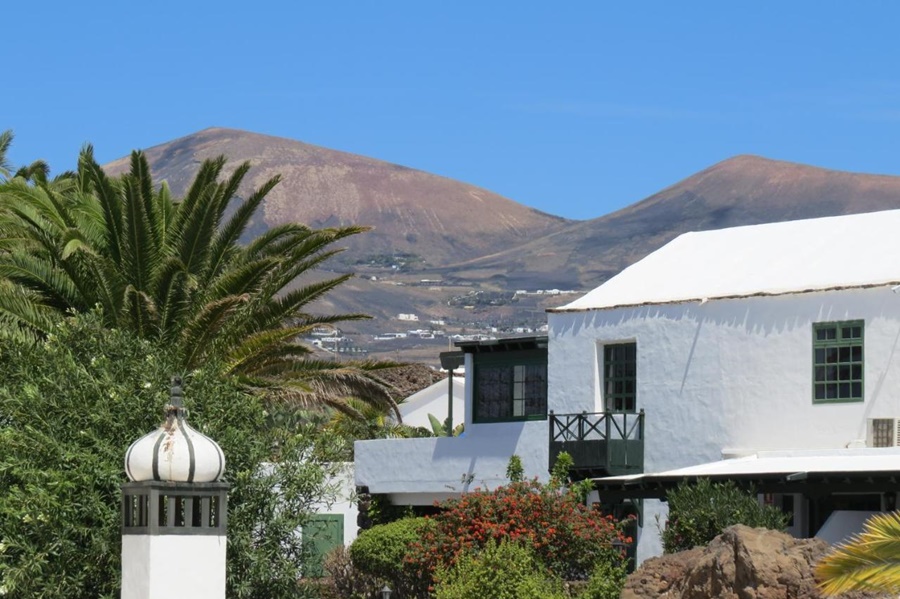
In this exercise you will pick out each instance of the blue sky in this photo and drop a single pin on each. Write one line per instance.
(574, 108)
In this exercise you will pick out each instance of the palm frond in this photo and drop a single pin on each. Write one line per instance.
(171, 296)
(140, 311)
(198, 335)
(139, 251)
(231, 232)
(205, 179)
(869, 561)
(107, 193)
(23, 312)
(6, 139)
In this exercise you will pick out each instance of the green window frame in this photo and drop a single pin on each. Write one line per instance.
(838, 361)
(510, 387)
(620, 377)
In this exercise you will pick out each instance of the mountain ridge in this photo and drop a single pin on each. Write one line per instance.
(323, 187)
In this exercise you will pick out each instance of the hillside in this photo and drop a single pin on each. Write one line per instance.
(430, 219)
(739, 191)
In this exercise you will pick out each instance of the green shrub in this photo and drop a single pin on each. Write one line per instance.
(515, 472)
(606, 581)
(505, 571)
(343, 580)
(700, 511)
(381, 552)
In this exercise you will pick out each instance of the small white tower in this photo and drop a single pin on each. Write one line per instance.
(174, 512)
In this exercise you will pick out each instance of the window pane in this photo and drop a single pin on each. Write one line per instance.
(494, 387)
(620, 368)
(840, 347)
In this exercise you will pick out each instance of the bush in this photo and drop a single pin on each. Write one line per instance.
(508, 570)
(606, 581)
(381, 551)
(69, 408)
(700, 511)
(343, 580)
(567, 538)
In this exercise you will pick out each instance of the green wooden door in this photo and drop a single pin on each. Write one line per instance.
(322, 533)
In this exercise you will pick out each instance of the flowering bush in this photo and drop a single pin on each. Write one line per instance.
(567, 538)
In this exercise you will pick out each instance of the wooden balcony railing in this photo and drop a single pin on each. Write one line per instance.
(600, 443)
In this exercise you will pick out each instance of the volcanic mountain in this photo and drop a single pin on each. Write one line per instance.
(432, 220)
(742, 190)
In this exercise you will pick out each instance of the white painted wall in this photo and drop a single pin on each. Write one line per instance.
(434, 400)
(728, 376)
(173, 567)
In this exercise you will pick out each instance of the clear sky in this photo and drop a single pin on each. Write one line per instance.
(574, 108)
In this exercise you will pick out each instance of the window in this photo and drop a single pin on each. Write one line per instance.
(511, 387)
(620, 377)
(838, 361)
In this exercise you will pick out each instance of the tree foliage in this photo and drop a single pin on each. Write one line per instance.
(172, 270)
(870, 561)
(700, 511)
(505, 570)
(71, 403)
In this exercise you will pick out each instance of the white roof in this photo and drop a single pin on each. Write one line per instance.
(857, 250)
(783, 463)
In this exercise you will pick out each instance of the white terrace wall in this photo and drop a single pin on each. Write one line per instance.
(422, 471)
(729, 376)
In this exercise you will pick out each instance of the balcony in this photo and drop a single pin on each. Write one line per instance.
(600, 443)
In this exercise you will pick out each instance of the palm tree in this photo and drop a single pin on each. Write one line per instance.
(870, 561)
(37, 169)
(173, 271)
(5, 141)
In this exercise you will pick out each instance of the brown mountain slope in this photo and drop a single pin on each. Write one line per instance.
(739, 191)
(437, 219)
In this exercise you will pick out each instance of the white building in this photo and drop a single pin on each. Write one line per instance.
(776, 342)
(505, 412)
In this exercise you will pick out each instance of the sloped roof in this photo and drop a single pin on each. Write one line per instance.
(857, 250)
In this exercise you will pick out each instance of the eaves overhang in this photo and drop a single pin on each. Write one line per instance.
(703, 300)
(503, 344)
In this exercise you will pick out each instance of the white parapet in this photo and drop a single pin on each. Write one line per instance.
(421, 471)
(173, 566)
